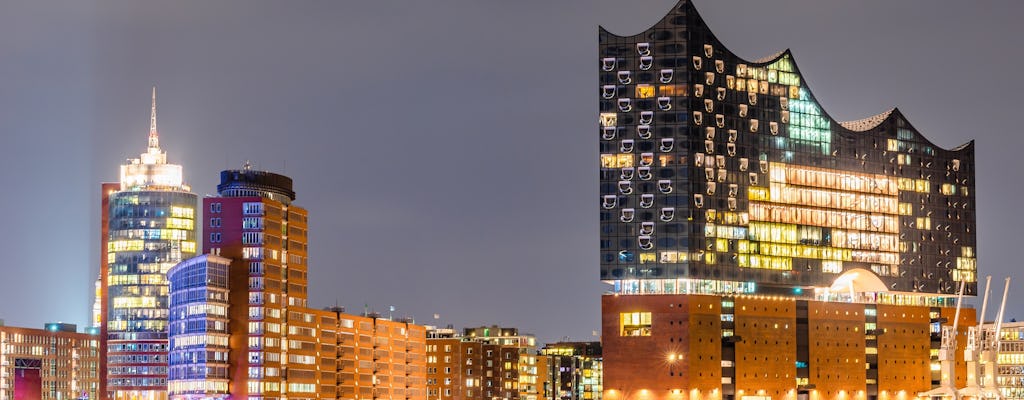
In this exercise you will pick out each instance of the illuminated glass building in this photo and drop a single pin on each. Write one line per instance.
(198, 323)
(150, 227)
(722, 175)
(758, 247)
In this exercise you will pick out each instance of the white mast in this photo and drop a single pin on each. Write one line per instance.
(154, 137)
(972, 354)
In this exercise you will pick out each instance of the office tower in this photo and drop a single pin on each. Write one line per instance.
(150, 228)
(254, 224)
(572, 370)
(481, 363)
(757, 247)
(54, 363)
(379, 357)
(198, 329)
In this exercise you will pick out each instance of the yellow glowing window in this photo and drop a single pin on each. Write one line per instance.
(616, 160)
(834, 267)
(967, 251)
(182, 212)
(906, 209)
(894, 145)
(648, 258)
(644, 91)
(668, 90)
(722, 245)
(609, 119)
(794, 92)
(635, 324)
(921, 185)
(948, 189)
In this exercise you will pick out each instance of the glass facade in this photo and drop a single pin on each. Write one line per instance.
(150, 228)
(722, 175)
(198, 322)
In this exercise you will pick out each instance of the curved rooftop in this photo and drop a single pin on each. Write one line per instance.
(684, 7)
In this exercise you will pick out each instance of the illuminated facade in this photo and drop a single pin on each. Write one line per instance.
(1010, 369)
(198, 322)
(482, 363)
(758, 249)
(573, 370)
(150, 227)
(380, 358)
(54, 363)
(254, 224)
(722, 175)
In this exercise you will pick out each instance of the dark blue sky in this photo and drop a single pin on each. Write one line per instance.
(446, 150)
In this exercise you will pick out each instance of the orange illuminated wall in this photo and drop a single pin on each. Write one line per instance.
(766, 355)
(645, 363)
(836, 343)
(380, 358)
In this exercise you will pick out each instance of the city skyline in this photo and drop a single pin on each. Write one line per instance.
(442, 135)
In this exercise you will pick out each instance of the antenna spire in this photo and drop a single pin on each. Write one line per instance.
(154, 137)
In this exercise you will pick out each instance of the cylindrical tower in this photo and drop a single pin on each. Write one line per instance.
(198, 329)
(151, 227)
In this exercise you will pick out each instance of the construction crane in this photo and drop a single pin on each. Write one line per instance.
(972, 354)
(947, 357)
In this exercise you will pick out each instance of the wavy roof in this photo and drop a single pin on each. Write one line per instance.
(684, 7)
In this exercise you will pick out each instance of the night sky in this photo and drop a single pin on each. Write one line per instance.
(447, 149)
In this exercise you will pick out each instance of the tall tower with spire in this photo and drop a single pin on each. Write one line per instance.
(148, 227)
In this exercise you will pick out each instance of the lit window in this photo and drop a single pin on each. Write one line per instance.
(635, 324)
(644, 91)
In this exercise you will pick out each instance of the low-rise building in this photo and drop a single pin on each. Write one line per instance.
(54, 363)
(572, 370)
